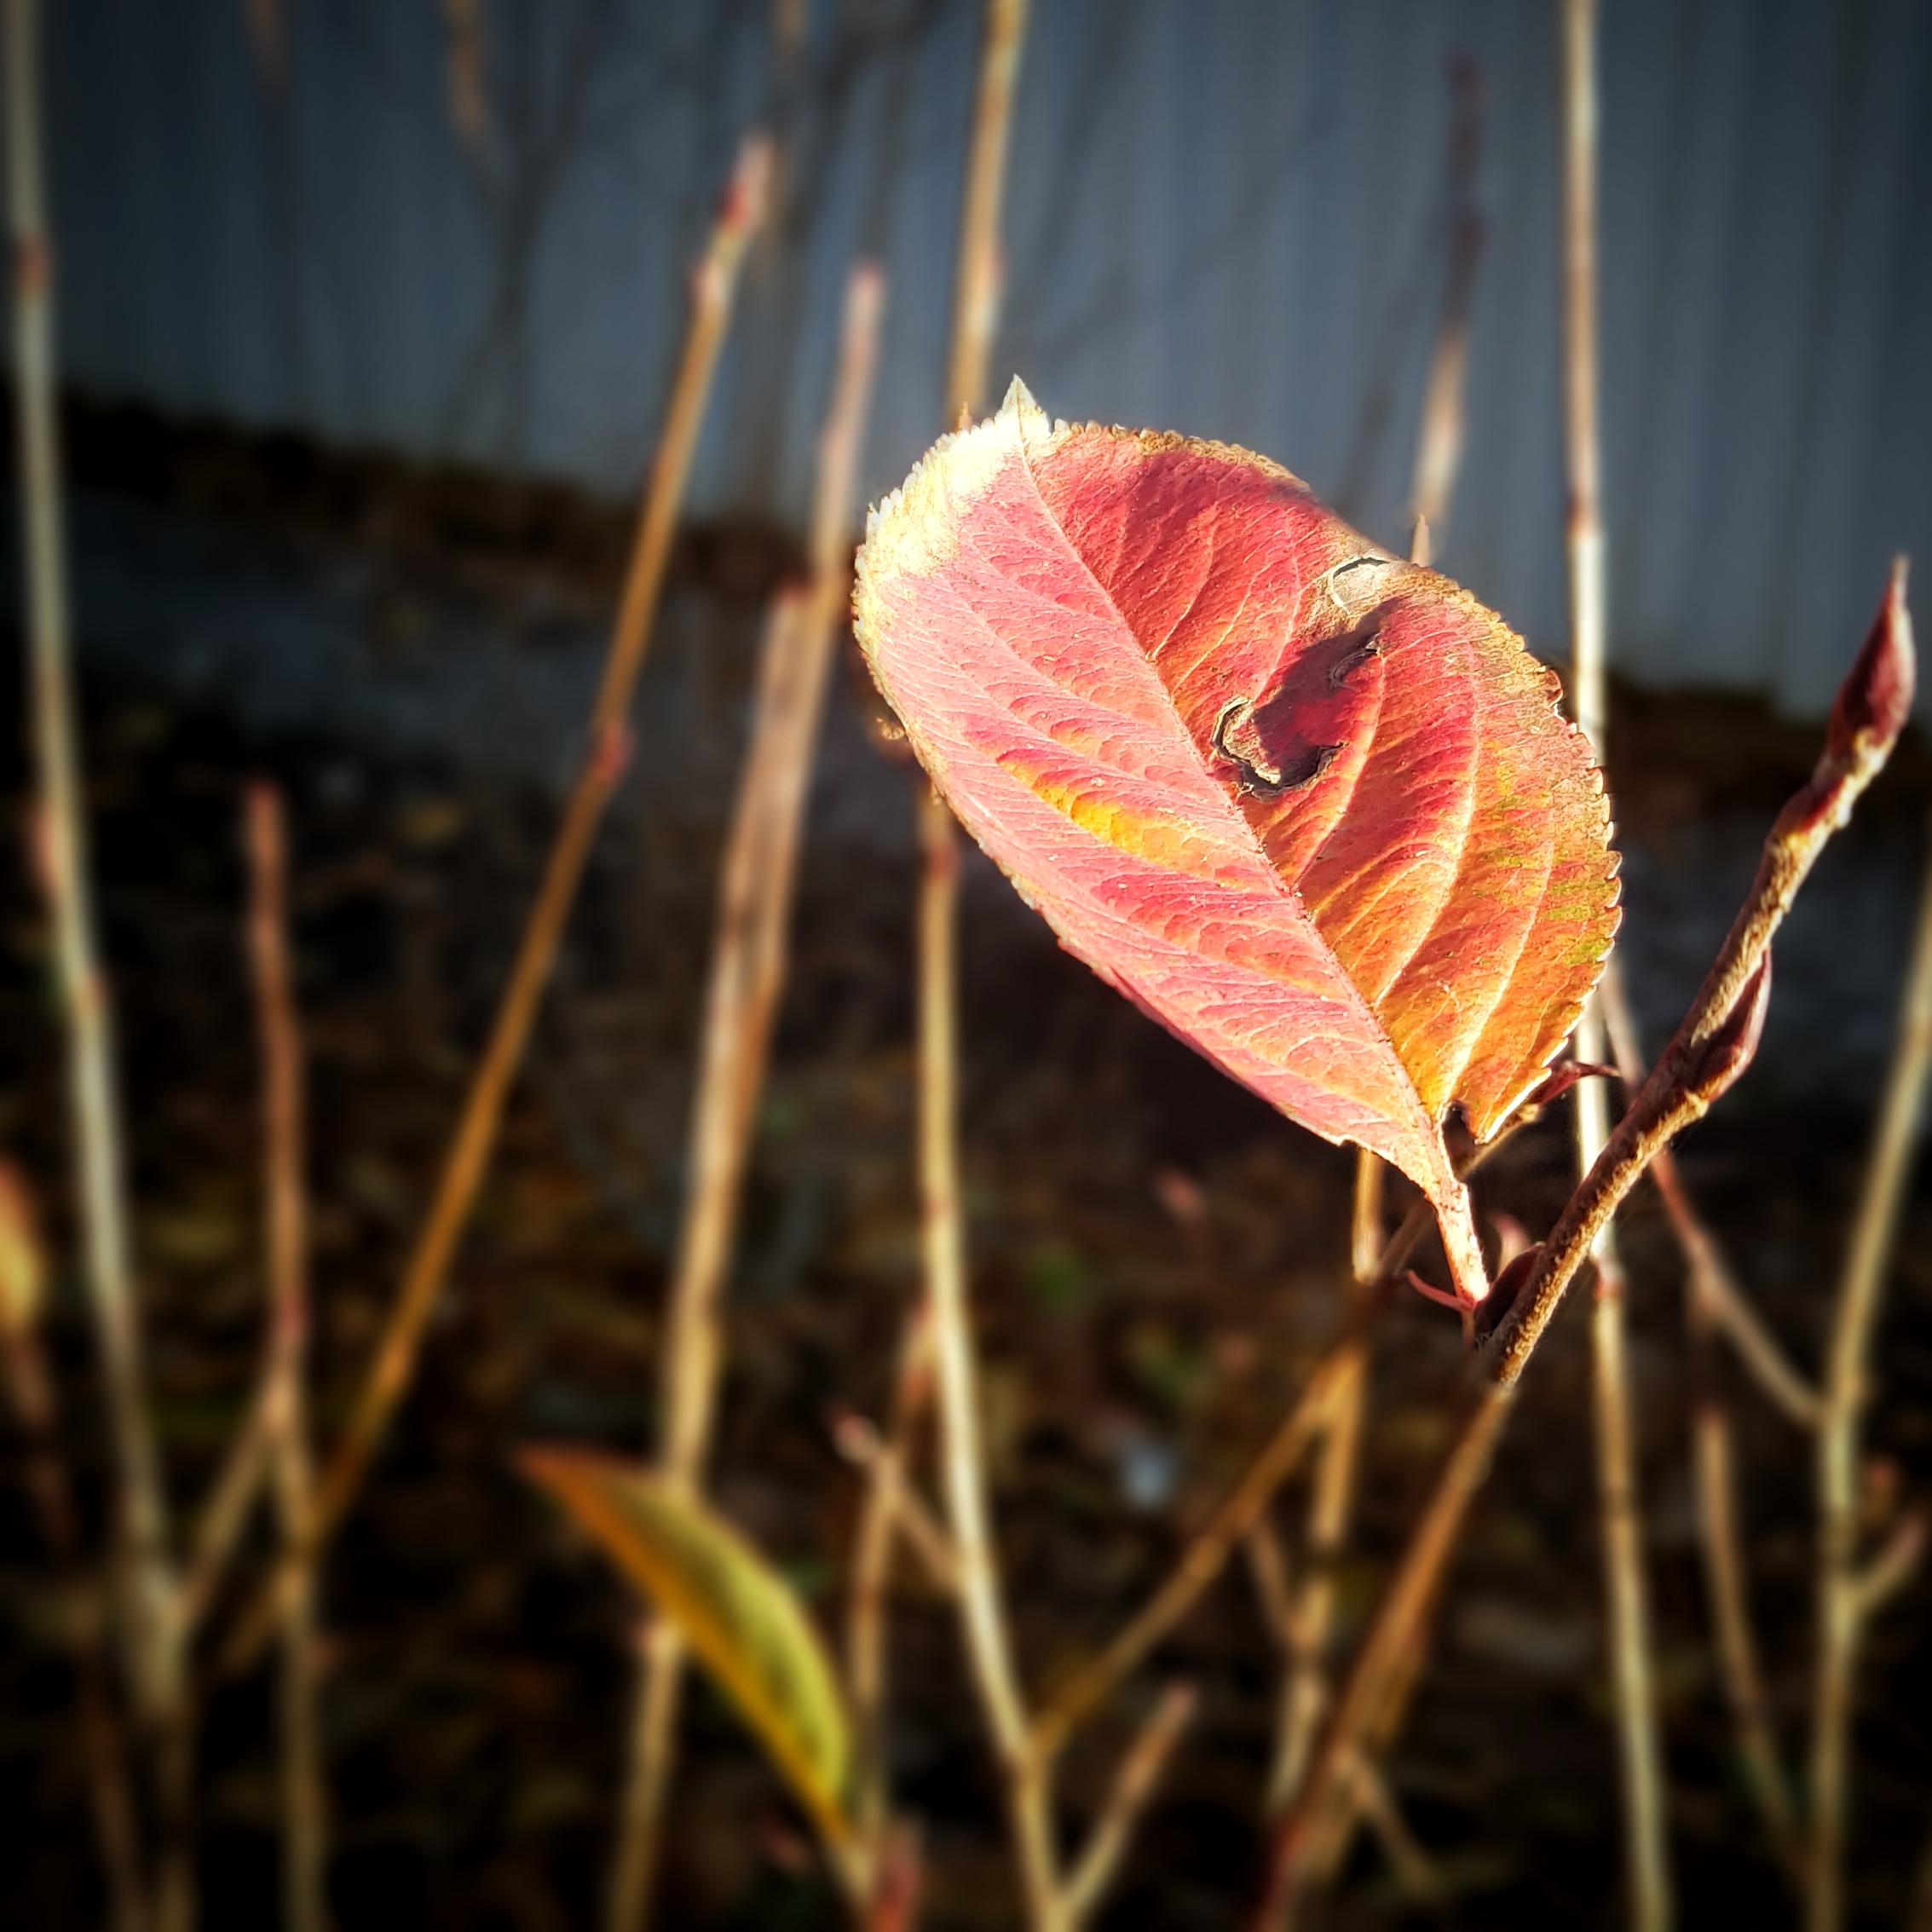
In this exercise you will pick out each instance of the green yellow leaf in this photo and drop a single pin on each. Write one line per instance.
(739, 1617)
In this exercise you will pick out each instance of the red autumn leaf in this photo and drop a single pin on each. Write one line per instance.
(1311, 807)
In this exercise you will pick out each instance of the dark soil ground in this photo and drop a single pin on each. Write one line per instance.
(1156, 1258)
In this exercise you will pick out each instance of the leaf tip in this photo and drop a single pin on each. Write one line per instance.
(1018, 406)
(556, 1470)
(915, 530)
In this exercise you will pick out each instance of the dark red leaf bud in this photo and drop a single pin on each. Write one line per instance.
(1875, 699)
(1733, 1046)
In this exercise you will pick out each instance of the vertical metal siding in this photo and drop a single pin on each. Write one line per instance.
(1227, 218)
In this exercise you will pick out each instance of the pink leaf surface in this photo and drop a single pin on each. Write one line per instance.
(1311, 807)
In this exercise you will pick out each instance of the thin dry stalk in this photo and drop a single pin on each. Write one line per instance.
(268, 34)
(1240, 1517)
(1726, 1310)
(976, 287)
(466, 58)
(975, 299)
(1301, 1619)
(1618, 1507)
(863, 1445)
(1584, 521)
(727, 1090)
(30, 1388)
(1847, 1592)
(141, 1506)
(146, 1598)
(390, 1372)
(650, 1747)
(103, 1746)
(754, 906)
(790, 19)
(1374, 1802)
(1267, 1568)
(1439, 457)
(224, 1513)
(1620, 1519)
(1330, 1504)
(1372, 1799)
(1711, 1048)
(714, 287)
(1727, 1587)
(1414, 1870)
(748, 976)
(1233, 1523)
(1134, 1786)
(304, 1845)
(961, 1455)
(1714, 1298)
(1305, 1628)
(1439, 447)
(885, 1511)
(1714, 1290)
(1206, 1553)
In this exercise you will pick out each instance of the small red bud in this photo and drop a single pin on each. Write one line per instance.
(855, 1438)
(1875, 699)
(612, 752)
(1733, 1046)
(1183, 1196)
(750, 185)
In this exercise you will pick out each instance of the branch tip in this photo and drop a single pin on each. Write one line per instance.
(1875, 699)
(744, 208)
